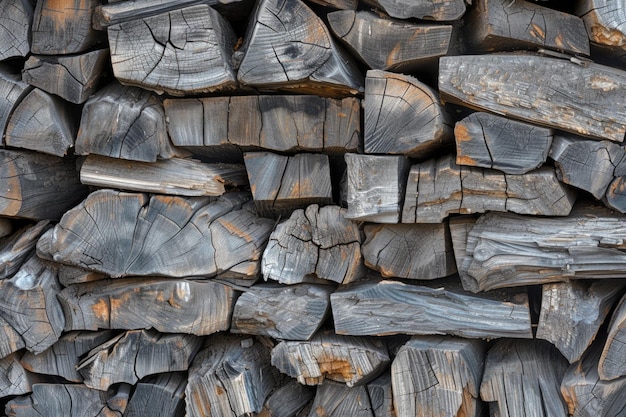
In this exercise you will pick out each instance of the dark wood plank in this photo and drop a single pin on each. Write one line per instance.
(16, 17)
(336, 400)
(604, 21)
(159, 396)
(611, 364)
(422, 9)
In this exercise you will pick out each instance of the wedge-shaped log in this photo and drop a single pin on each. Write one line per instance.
(123, 234)
(231, 377)
(611, 364)
(390, 44)
(336, 400)
(390, 307)
(16, 17)
(14, 378)
(439, 187)
(10, 340)
(12, 91)
(169, 306)
(159, 396)
(118, 12)
(381, 396)
(327, 356)
(287, 400)
(490, 141)
(523, 378)
(288, 47)
(316, 241)
(185, 51)
(422, 9)
(18, 247)
(438, 376)
(604, 21)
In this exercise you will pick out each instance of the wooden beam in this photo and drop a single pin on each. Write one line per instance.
(441, 10)
(16, 17)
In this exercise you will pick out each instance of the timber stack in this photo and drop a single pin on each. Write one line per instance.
(319, 208)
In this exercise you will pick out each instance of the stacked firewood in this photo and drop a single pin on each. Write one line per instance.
(386, 208)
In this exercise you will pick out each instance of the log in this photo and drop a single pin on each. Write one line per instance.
(327, 356)
(337, 4)
(287, 400)
(12, 91)
(126, 123)
(490, 141)
(16, 17)
(416, 251)
(440, 10)
(126, 234)
(73, 78)
(438, 376)
(169, 306)
(375, 187)
(604, 22)
(460, 227)
(336, 400)
(70, 275)
(119, 400)
(611, 364)
(10, 340)
(16, 248)
(175, 176)
(184, 51)
(381, 396)
(522, 378)
(389, 307)
(281, 184)
(159, 396)
(14, 379)
(294, 312)
(288, 47)
(317, 242)
(390, 44)
(552, 92)
(135, 354)
(504, 25)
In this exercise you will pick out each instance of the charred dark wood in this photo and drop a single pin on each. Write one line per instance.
(14, 378)
(287, 400)
(336, 400)
(604, 21)
(422, 9)
(381, 396)
(159, 396)
(611, 364)
(16, 17)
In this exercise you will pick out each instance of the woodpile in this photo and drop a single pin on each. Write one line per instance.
(312, 208)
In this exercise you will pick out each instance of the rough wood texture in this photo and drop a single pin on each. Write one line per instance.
(327, 356)
(504, 25)
(417, 251)
(381, 396)
(16, 17)
(12, 91)
(422, 9)
(611, 364)
(337, 4)
(125, 234)
(69, 275)
(185, 51)
(389, 44)
(523, 378)
(14, 379)
(548, 91)
(73, 78)
(390, 307)
(615, 196)
(604, 21)
(281, 184)
(159, 396)
(288, 47)
(169, 306)
(314, 242)
(337, 400)
(18, 247)
(287, 400)
(490, 141)
(438, 376)
(375, 187)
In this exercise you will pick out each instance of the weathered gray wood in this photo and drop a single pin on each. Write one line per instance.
(175, 176)
(337, 4)
(169, 306)
(14, 379)
(119, 400)
(288, 47)
(416, 251)
(184, 51)
(390, 307)
(314, 242)
(460, 227)
(18, 247)
(390, 44)
(522, 378)
(438, 376)
(69, 275)
(135, 354)
(615, 196)
(336, 400)
(547, 91)
(375, 187)
(381, 396)
(604, 21)
(126, 123)
(572, 313)
(10, 340)
(73, 78)
(611, 364)
(439, 187)
(12, 91)
(159, 396)
(294, 312)
(287, 400)
(16, 17)
(327, 356)
(422, 9)
(490, 141)
(281, 184)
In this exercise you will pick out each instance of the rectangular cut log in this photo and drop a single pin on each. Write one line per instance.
(547, 91)
(16, 17)
(159, 396)
(337, 400)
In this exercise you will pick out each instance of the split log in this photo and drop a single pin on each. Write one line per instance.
(389, 307)
(294, 312)
(169, 306)
(518, 24)
(416, 251)
(70, 275)
(288, 47)
(119, 400)
(73, 78)
(337, 4)
(173, 176)
(611, 364)
(281, 184)
(375, 187)
(18, 247)
(287, 400)
(232, 377)
(159, 235)
(16, 17)
(523, 378)
(604, 21)
(439, 187)
(327, 356)
(490, 141)
(126, 123)
(381, 396)
(12, 91)
(547, 91)
(10, 340)
(159, 396)
(438, 376)
(316, 242)
(184, 51)
(615, 196)
(337, 400)
(422, 9)
(64, 27)
(135, 354)
(14, 379)
(390, 44)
